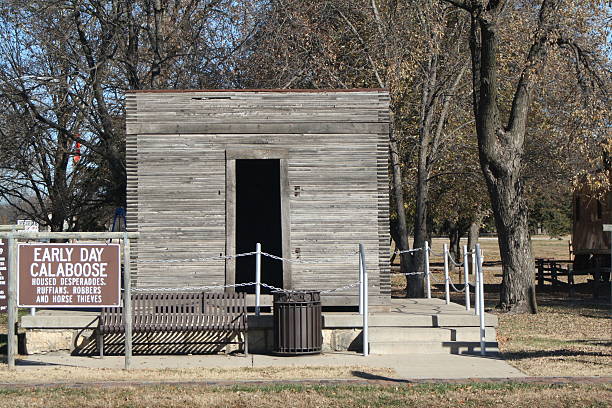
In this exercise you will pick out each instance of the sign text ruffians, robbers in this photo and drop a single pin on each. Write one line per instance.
(68, 275)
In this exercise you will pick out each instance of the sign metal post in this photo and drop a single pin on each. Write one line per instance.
(12, 303)
(127, 301)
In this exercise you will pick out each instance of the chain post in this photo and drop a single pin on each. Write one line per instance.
(480, 289)
(426, 264)
(446, 277)
(257, 278)
(361, 284)
(466, 277)
(365, 337)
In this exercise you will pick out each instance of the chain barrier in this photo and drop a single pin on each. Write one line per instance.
(408, 251)
(436, 253)
(349, 286)
(211, 258)
(450, 257)
(432, 277)
(450, 282)
(275, 289)
(194, 288)
(236, 285)
(301, 261)
(409, 273)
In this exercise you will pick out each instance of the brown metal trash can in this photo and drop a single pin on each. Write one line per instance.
(297, 323)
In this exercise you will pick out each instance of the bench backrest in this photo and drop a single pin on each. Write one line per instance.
(181, 309)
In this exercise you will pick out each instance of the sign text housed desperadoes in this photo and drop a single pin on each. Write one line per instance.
(69, 275)
(4, 268)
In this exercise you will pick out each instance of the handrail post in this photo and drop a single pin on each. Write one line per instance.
(475, 270)
(12, 302)
(257, 278)
(365, 337)
(466, 277)
(426, 264)
(127, 301)
(360, 283)
(446, 277)
(483, 350)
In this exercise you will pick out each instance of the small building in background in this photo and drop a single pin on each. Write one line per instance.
(305, 173)
(590, 244)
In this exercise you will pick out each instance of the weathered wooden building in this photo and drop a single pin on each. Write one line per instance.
(590, 244)
(210, 173)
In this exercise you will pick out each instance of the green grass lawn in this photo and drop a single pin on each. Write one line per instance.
(302, 396)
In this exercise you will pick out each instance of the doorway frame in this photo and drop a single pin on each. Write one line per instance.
(253, 153)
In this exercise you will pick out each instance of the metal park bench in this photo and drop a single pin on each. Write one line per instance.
(168, 312)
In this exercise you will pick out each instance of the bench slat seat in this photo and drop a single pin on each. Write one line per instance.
(160, 312)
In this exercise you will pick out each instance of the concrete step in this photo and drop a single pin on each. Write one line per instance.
(462, 319)
(427, 334)
(408, 334)
(473, 333)
(430, 347)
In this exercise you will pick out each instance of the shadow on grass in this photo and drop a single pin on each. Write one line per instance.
(523, 355)
(374, 377)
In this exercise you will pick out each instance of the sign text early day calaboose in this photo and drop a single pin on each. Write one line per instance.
(64, 275)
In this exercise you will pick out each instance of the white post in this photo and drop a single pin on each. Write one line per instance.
(12, 302)
(446, 277)
(127, 301)
(426, 263)
(476, 282)
(257, 278)
(466, 277)
(360, 284)
(32, 311)
(365, 336)
(483, 350)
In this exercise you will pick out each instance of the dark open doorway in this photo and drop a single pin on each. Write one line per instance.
(258, 219)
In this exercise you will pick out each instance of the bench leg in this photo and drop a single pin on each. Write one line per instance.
(100, 343)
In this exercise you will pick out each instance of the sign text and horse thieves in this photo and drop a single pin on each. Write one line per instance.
(3, 276)
(69, 275)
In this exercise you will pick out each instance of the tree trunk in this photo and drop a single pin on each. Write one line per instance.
(474, 233)
(454, 238)
(501, 145)
(517, 292)
(415, 283)
(401, 241)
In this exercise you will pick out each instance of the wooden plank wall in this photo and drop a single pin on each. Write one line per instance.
(337, 145)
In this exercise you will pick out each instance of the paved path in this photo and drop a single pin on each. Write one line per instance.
(416, 366)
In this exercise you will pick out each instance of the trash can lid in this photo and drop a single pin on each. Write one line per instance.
(297, 296)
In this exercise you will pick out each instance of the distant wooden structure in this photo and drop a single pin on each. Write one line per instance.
(304, 172)
(590, 244)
